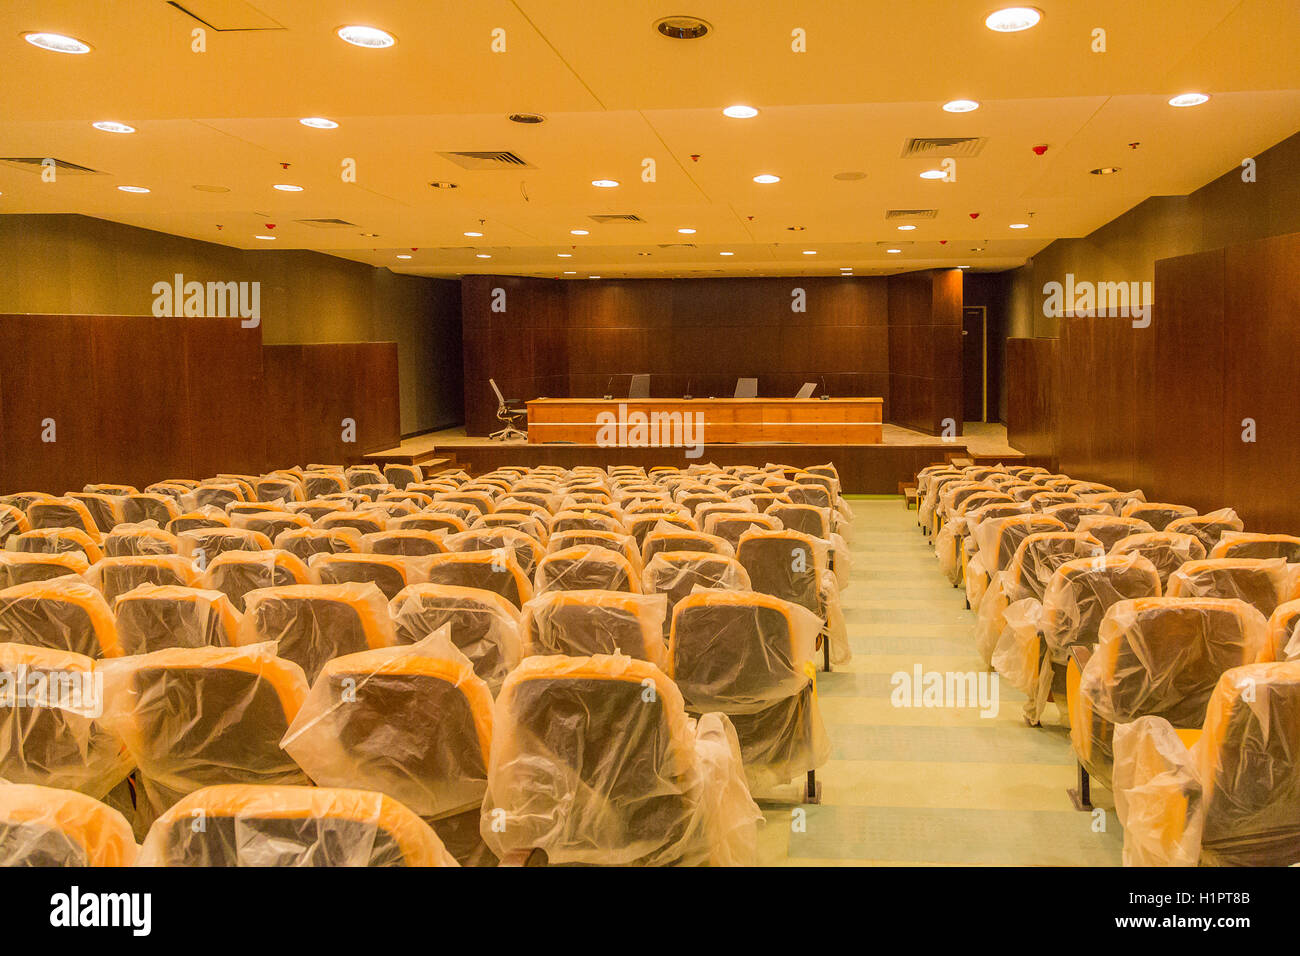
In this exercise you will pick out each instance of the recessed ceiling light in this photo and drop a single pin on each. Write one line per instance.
(579, 232)
(683, 28)
(134, 189)
(767, 178)
(472, 235)
(961, 106)
(593, 277)
(370, 37)
(403, 255)
(726, 253)
(570, 272)
(1020, 225)
(907, 227)
(108, 126)
(740, 112)
(565, 255)
(318, 122)
(1013, 19)
(267, 238)
(56, 42)
(963, 267)
(444, 185)
(810, 252)
(287, 188)
(686, 231)
(481, 255)
(892, 251)
(1189, 99)
(605, 183)
(933, 174)
(1104, 170)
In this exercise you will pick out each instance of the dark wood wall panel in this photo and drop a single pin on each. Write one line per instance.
(311, 389)
(925, 349)
(226, 397)
(1032, 395)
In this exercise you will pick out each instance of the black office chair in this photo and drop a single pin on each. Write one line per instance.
(509, 410)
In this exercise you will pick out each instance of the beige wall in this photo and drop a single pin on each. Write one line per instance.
(80, 265)
(1224, 212)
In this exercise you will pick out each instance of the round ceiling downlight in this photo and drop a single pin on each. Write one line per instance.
(739, 111)
(961, 106)
(683, 28)
(108, 126)
(1189, 99)
(371, 38)
(318, 122)
(1013, 19)
(134, 189)
(57, 42)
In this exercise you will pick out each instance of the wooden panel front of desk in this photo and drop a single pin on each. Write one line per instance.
(808, 421)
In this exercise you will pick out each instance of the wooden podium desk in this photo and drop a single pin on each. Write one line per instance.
(805, 421)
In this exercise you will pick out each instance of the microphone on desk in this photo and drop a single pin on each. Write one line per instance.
(608, 386)
(688, 389)
(824, 395)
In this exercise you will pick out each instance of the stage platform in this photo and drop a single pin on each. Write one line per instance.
(864, 469)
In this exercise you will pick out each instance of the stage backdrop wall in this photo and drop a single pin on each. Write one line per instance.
(587, 338)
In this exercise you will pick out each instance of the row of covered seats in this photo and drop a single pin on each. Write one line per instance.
(741, 660)
(1163, 636)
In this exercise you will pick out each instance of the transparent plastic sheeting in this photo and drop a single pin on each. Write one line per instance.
(1283, 633)
(484, 625)
(1070, 614)
(51, 705)
(195, 717)
(64, 614)
(647, 786)
(1262, 582)
(291, 826)
(1231, 798)
(583, 623)
(1158, 657)
(751, 656)
(151, 618)
(412, 721)
(47, 826)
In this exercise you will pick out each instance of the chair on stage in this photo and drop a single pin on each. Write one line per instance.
(509, 411)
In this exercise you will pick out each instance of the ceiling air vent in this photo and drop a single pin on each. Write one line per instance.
(676, 245)
(486, 159)
(326, 223)
(35, 164)
(619, 217)
(954, 146)
(911, 213)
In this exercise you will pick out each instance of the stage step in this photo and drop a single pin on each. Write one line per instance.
(413, 451)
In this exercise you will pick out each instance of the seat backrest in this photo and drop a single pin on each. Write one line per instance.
(1083, 590)
(116, 576)
(311, 624)
(483, 625)
(501, 399)
(46, 826)
(1239, 544)
(584, 568)
(291, 826)
(302, 543)
(66, 512)
(151, 618)
(1208, 527)
(1262, 582)
(127, 540)
(64, 614)
(785, 564)
(1167, 550)
(740, 651)
(592, 762)
(1282, 627)
(676, 574)
(1110, 528)
(808, 519)
(526, 549)
(17, 567)
(235, 573)
(1163, 656)
(1000, 538)
(582, 623)
(1038, 557)
(496, 571)
(1158, 514)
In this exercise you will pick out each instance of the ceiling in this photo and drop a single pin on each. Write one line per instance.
(615, 93)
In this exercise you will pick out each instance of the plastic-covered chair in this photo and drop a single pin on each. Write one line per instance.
(495, 571)
(235, 573)
(1158, 514)
(128, 540)
(115, 576)
(1167, 550)
(1110, 529)
(1238, 544)
(1158, 657)
(484, 626)
(366, 522)
(105, 510)
(1262, 582)
(1282, 627)
(66, 512)
(63, 614)
(1224, 794)
(584, 568)
(47, 826)
(595, 761)
(750, 656)
(676, 574)
(51, 734)
(192, 717)
(526, 549)
(793, 567)
(57, 541)
(302, 543)
(1208, 528)
(583, 623)
(290, 826)
(413, 722)
(20, 568)
(152, 618)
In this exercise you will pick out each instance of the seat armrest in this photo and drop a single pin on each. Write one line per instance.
(1157, 794)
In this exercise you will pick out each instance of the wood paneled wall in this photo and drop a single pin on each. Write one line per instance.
(1168, 408)
(925, 349)
(1031, 395)
(586, 339)
(310, 391)
(133, 399)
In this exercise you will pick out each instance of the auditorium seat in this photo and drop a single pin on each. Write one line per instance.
(1261, 582)
(526, 550)
(1167, 550)
(750, 656)
(128, 540)
(57, 541)
(580, 623)
(429, 521)
(1157, 514)
(278, 489)
(17, 567)
(53, 740)
(1110, 529)
(671, 538)
(151, 618)
(1238, 544)
(1226, 793)
(366, 522)
(150, 506)
(1157, 657)
(211, 542)
(358, 475)
(191, 717)
(585, 567)
(1282, 626)
(319, 484)
(105, 509)
(310, 624)
(115, 576)
(732, 526)
(271, 523)
(197, 520)
(594, 761)
(13, 521)
(483, 625)
(1208, 528)
(494, 571)
(302, 543)
(290, 826)
(408, 542)
(64, 512)
(389, 572)
(235, 573)
(48, 827)
(63, 614)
